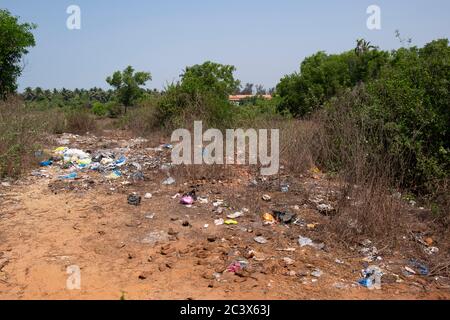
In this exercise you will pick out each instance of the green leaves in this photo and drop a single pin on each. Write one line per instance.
(128, 85)
(15, 40)
(210, 77)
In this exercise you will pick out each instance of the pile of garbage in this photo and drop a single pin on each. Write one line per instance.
(110, 164)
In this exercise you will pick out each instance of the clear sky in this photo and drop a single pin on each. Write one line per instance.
(263, 39)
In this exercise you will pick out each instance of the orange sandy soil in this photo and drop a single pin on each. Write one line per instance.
(45, 228)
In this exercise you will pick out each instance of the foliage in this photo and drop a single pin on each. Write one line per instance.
(128, 85)
(402, 112)
(210, 77)
(323, 76)
(15, 40)
(202, 94)
(411, 99)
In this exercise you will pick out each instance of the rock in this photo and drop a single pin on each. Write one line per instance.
(260, 240)
(317, 273)
(185, 223)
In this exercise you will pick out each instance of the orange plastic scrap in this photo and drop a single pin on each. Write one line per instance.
(268, 218)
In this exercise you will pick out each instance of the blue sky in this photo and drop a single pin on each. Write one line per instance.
(263, 39)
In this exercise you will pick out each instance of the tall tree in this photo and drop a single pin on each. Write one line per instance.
(15, 40)
(128, 85)
(210, 77)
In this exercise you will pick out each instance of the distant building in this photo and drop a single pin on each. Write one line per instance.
(238, 98)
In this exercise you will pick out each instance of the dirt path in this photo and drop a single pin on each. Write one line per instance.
(122, 251)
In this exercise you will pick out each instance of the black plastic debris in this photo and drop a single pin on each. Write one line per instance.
(134, 200)
(284, 217)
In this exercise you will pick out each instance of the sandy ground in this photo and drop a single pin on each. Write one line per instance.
(47, 226)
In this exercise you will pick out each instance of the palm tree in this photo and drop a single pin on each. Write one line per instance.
(363, 46)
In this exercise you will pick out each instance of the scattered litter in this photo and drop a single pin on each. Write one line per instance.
(150, 216)
(168, 181)
(409, 270)
(317, 273)
(266, 197)
(260, 240)
(138, 176)
(134, 200)
(116, 174)
(431, 250)
(284, 217)
(235, 215)
(325, 209)
(303, 241)
(371, 278)
(219, 222)
(231, 222)
(187, 200)
(202, 200)
(237, 265)
(40, 174)
(218, 203)
(268, 218)
(71, 176)
(148, 196)
(46, 163)
(285, 188)
(420, 267)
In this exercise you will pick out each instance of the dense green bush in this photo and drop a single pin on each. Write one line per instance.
(412, 100)
(202, 94)
(322, 76)
(401, 113)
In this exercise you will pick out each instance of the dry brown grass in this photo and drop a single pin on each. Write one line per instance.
(20, 133)
(80, 122)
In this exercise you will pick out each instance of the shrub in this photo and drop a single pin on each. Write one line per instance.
(99, 109)
(178, 108)
(20, 133)
(79, 121)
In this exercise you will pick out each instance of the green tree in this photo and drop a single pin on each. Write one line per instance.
(322, 76)
(128, 85)
(15, 39)
(210, 77)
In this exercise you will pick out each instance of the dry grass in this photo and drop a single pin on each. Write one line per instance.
(80, 122)
(20, 133)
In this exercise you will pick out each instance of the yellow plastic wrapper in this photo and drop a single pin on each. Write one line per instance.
(268, 218)
(231, 222)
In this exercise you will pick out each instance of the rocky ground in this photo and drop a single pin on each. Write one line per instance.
(162, 249)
